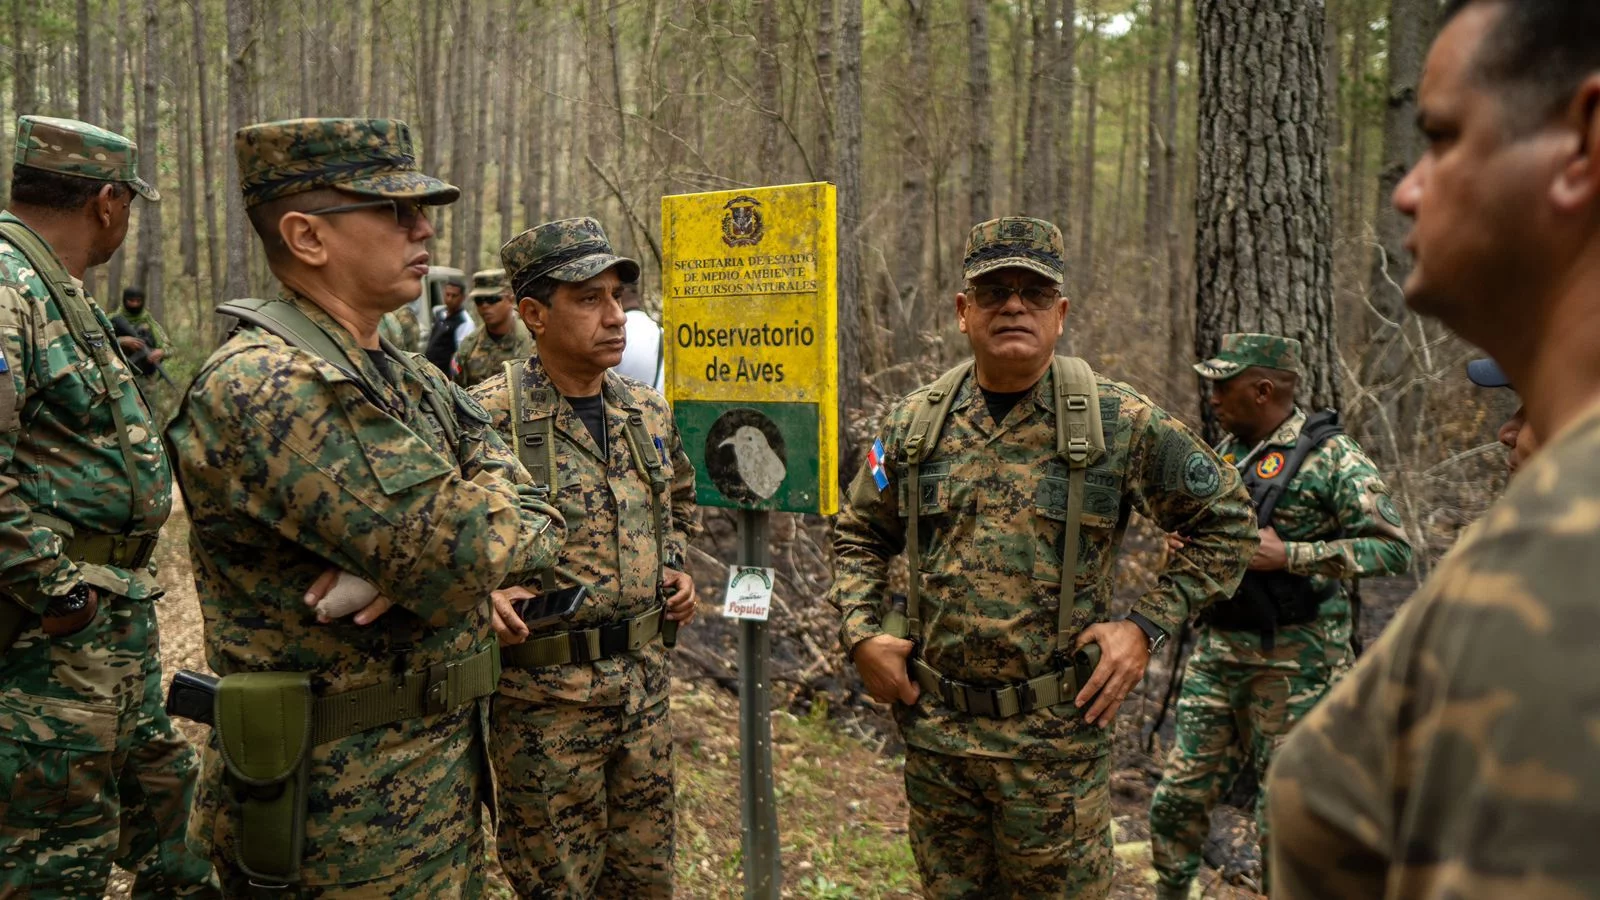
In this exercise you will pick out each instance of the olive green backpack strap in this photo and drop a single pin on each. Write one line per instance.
(286, 320)
(647, 450)
(1079, 441)
(86, 331)
(927, 420)
(535, 445)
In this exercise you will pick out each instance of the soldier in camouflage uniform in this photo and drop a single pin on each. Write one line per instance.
(400, 329)
(296, 456)
(1012, 799)
(94, 769)
(1253, 676)
(503, 336)
(1459, 758)
(582, 738)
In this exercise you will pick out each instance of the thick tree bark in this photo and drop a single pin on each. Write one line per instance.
(847, 119)
(1263, 249)
(1388, 365)
(152, 266)
(826, 153)
(980, 120)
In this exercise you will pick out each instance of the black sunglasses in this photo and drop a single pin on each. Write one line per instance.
(994, 296)
(406, 212)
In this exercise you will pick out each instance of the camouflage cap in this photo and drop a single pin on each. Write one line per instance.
(488, 282)
(1015, 242)
(368, 157)
(70, 147)
(566, 250)
(1241, 351)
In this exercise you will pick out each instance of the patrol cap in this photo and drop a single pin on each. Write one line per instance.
(367, 157)
(70, 147)
(1487, 373)
(1241, 351)
(488, 283)
(1015, 242)
(566, 250)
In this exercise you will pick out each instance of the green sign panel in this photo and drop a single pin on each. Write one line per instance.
(751, 455)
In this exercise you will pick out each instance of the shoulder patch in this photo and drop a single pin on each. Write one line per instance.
(1200, 476)
(1387, 511)
(468, 409)
(1270, 465)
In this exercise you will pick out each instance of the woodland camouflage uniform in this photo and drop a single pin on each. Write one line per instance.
(94, 769)
(583, 749)
(482, 354)
(1458, 758)
(1242, 692)
(1020, 806)
(292, 463)
(400, 329)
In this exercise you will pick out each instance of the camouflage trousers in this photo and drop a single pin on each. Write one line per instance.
(93, 771)
(1237, 704)
(457, 875)
(1007, 829)
(586, 799)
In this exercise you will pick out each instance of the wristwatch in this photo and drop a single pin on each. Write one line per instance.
(1155, 636)
(69, 604)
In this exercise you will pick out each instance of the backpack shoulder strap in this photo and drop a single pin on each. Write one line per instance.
(927, 420)
(296, 328)
(85, 329)
(1318, 429)
(534, 441)
(1079, 440)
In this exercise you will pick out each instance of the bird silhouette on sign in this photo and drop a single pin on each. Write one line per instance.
(760, 468)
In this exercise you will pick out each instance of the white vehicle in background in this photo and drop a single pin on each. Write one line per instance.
(433, 296)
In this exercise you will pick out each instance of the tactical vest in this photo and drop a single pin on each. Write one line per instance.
(1079, 441)
(1267, 601)
(535, 442)
(268, 723)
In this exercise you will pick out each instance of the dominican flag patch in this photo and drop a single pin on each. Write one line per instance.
(875, 464)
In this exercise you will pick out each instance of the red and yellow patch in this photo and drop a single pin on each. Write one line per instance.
(1270, 465)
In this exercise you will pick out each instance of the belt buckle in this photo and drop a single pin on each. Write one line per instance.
(436, 693)
(983, 702)
(613, 639)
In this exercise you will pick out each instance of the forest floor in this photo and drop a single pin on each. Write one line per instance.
(841, 802)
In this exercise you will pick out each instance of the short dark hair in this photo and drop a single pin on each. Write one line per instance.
(55, 190)
(132, 291)
(540, 287)
(1537, 52)
(264, 218)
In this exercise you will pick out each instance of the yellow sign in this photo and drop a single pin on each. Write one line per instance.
(751, 316)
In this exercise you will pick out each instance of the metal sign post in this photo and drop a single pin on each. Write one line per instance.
(750, 308)
(763, 873)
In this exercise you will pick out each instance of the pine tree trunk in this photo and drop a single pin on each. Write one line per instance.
(1091, 124)
(207, 148)
(240, 66)
(86, 99)
(1388, 366)
(188, 236)
(1263, 248)
(1066, 86)
(847, 119)
(769, 167)
(911, 236)
(506, 122)
(151, 263)
(980, 121)
(827, 158)
(118, 76)
(479, 173)
(1036, 161)
(1179, 337)
(1155, 226)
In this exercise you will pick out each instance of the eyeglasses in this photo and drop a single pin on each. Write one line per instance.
(406, 212)
(995, 296)
(488, 299)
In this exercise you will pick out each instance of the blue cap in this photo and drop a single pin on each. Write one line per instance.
(1486, 373)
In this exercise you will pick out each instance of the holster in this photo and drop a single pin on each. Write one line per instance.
(263, 725)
